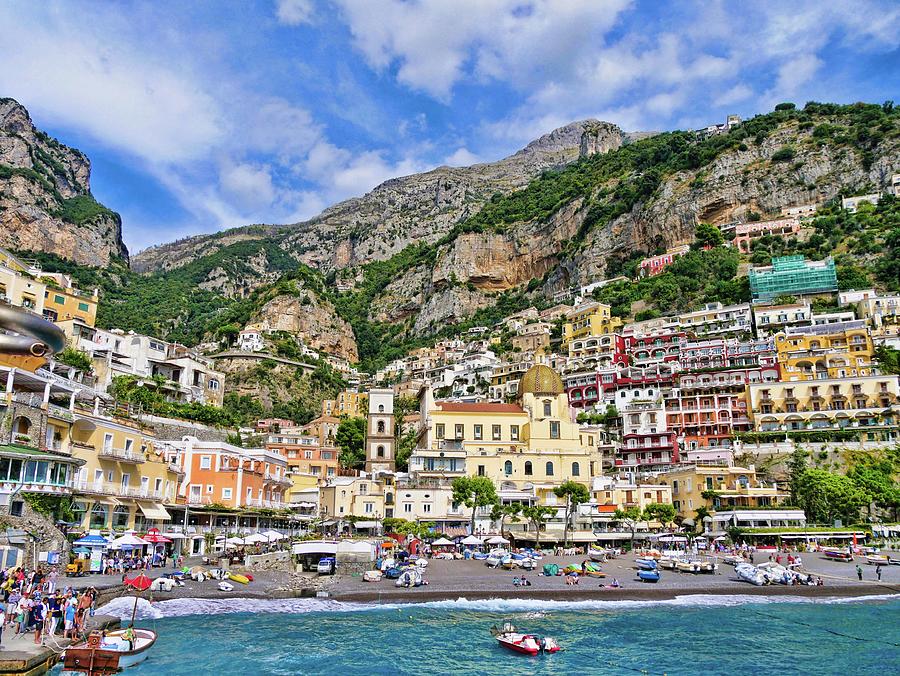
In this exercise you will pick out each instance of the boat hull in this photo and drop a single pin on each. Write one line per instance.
(96, 660)
(519, 646)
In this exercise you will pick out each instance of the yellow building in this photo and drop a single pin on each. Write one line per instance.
(527, 448)
(349, 404)
(865, 404)
(123, 483)
(725, 488)
(63, 301)
(352, 496)
(589, 320)
(845, 350)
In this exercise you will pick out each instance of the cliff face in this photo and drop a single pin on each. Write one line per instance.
(417, 208)
(311, 319)
(45, 197)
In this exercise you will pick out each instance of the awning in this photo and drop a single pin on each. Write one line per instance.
(366, 524)
(106, 501)
(155, 511)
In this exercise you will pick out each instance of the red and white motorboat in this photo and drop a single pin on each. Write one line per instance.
(527, 644)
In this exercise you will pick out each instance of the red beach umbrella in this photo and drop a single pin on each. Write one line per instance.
(140, 582)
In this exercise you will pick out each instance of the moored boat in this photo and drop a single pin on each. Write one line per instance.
(527, 644)
(108, 652)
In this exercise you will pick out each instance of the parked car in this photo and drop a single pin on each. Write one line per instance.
(326, 566)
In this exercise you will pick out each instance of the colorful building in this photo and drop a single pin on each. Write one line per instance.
(589, 320)
(652, 266)
(744, 234)
(828, 351)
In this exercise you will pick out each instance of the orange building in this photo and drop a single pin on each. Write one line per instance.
(217, 473)
(304, 454)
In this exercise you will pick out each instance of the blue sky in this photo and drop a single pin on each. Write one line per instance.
(207, 115)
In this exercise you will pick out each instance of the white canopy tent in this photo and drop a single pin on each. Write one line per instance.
(234, 542)
(128, 541)
(472, 540)
(255, 538)
(443, 542)
(497, 540)
(273, 535)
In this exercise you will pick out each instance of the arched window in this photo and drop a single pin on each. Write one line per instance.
(528, 471)
(576, 470)
(549, 469)
(381, 408)
(381, 426)
(381, 451)
(120, 517)
(99, 515)
(507, 467)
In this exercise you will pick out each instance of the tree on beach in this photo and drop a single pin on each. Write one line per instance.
(825, 496)
(630, 517)
(664, 513)
(574, 494)
(474, 492)
(512, 511)
(537, 515)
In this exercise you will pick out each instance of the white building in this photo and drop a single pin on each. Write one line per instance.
(716, 319)
(250, 340)
(851, 204)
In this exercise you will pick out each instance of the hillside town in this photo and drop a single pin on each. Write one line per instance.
(554, 426)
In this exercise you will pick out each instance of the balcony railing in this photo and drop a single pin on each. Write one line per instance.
(284, 481)
(122, 455)
(258, 502)
(117, 490)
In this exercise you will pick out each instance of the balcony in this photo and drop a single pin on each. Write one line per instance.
(122, 455)
(268, 504)
(117, 490)
(280, 480)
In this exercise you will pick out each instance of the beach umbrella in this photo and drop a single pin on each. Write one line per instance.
(255, 538)
(234, 541)
(472, 540)
(497, 540)
(443, 542)
(129, 539)
(273, 535)
(141, 582)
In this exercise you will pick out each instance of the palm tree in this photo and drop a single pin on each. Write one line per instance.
(537, 515)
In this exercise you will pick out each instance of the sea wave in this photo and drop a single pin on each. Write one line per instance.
(124, 606)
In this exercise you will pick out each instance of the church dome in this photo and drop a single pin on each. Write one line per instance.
(541, 380)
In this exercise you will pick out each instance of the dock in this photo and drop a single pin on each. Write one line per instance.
(20, 656)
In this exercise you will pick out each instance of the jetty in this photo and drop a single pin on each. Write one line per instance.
(20, 656)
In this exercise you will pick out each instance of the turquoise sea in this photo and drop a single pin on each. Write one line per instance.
(691, 635)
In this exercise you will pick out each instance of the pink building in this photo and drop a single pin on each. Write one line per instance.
(653, 265)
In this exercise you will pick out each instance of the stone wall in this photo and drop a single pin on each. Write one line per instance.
(266, 559)
(171, 429)
(46, 536)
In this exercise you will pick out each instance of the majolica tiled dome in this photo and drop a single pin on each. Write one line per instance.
(541, 380)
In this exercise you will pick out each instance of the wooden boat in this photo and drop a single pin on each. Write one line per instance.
(526, 644)
(648, 575)
(108, 652)
(707, 566)
(667, 562)
(878, 560)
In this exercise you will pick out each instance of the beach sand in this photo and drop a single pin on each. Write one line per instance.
(450, 580)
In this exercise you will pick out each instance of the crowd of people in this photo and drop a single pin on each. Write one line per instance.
(32, 602)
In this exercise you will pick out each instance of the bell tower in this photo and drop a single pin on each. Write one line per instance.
(380, 431)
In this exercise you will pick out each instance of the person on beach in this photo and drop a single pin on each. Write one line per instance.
(878, 572)
(37, 618)
(69, 619)
(859, 573)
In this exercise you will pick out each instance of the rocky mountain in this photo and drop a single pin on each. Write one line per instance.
(418, 208)
(45, 196)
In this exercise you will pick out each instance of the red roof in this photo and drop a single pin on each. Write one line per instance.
(459, 407)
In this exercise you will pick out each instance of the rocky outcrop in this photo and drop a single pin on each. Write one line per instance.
(418, 208)
(45, 197)
(181, 252)
(448, 306)
(311, 319)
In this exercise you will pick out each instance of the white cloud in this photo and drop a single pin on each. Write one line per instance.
(249, 186)
(462, 157)
(795, 73)
(294, 12)
(736, 94)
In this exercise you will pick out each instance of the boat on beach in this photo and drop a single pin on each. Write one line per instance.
(645, 564)
(750, 573)
(877, 560)
(527, 644)
(837, 554)
(648, 575)
(108, 652)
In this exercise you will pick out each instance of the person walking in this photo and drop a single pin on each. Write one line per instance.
(878, 572)
(859, 572)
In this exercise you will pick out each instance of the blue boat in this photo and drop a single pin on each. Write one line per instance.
(393, 573)
(645, 564)
(648, 575)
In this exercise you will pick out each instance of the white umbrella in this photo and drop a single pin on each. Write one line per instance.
(256, 537)
(472, 540)
(442, 542)
(234, 541)
(274, 535)
(497, 540)
(128, 539)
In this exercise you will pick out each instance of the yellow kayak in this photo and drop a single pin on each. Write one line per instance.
(238, 578)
